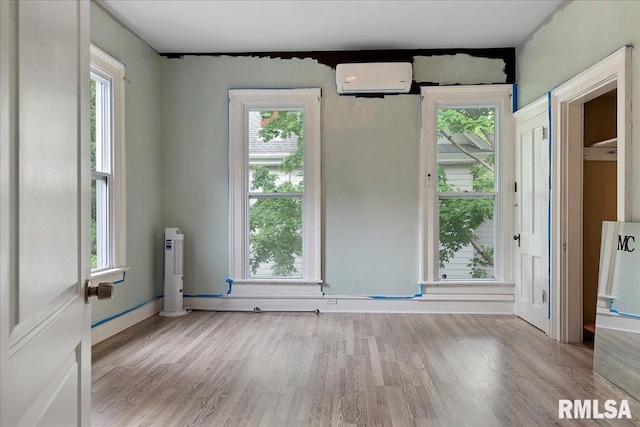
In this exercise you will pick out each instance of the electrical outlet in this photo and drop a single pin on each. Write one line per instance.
(332, 301)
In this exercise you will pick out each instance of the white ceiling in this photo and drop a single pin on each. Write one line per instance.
(217, 26)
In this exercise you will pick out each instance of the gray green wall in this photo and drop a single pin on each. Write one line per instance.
(576, 37)
(144, 163)
(177, 166)
(370, 168)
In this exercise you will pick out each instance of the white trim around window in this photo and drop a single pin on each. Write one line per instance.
(241, 103)
(461, 97)
(111, 72)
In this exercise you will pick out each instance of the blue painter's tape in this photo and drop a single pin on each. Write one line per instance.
(124, 274)
(206, 296)
(115, 316)
(549, 119)
(514, 98)
(230, 282)
(632, 316)
(549, 208)
(391, 296)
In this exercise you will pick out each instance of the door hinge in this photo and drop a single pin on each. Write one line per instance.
(545, 132)
(544, 296)
(564, 246)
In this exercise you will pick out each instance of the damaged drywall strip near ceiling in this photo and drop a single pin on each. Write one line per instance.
(459, 69)
(502, 59)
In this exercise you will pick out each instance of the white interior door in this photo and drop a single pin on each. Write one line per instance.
(532, 215)
(44, 218)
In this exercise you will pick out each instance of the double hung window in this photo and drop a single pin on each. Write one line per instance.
(465, 151)
(274, 161)
(107, 165)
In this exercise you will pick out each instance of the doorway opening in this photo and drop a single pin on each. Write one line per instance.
(601, 93)
(599, 197)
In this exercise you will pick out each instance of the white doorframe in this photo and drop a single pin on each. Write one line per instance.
(566, 204)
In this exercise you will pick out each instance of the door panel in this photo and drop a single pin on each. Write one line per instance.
(61, 410)
(44, 221)
(532, 213)
(47, 170)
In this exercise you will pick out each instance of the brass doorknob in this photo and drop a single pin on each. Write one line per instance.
(102, 291)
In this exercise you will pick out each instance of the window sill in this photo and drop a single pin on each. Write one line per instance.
(111, 275)
(469, 283)
(277, 282)
(275, 288)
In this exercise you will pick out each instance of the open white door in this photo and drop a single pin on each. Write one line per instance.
(45, 346)
(532, 214)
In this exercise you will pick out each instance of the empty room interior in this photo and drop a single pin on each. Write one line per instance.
(322, 213)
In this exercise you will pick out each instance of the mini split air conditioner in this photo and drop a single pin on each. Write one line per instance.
(173, 262)
(374, 77)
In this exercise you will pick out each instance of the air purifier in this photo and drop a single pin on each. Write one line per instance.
(173, 263)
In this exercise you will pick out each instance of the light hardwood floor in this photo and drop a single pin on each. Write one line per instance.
(282, 369)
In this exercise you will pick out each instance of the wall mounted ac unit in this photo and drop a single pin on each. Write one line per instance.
(173, 263)
(374, 77)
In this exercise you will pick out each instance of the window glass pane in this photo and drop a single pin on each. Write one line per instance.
(100, 124)
(100, 115)
(466, 149)
(275, 237)
(276, 151)
(466, 237)
(99, 222)
(94, 230)
(92, 90)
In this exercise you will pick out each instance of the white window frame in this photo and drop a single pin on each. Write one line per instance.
(111, 70)
(432, 99)
(241, 101)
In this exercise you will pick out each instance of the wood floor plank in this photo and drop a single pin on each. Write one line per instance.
(299, 369)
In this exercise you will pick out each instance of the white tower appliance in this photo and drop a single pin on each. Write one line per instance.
(173, 262)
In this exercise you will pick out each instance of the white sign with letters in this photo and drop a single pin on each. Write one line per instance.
(620, 267)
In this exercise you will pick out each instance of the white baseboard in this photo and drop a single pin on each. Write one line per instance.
(124, 320)
(449, 304)
(454, 303)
